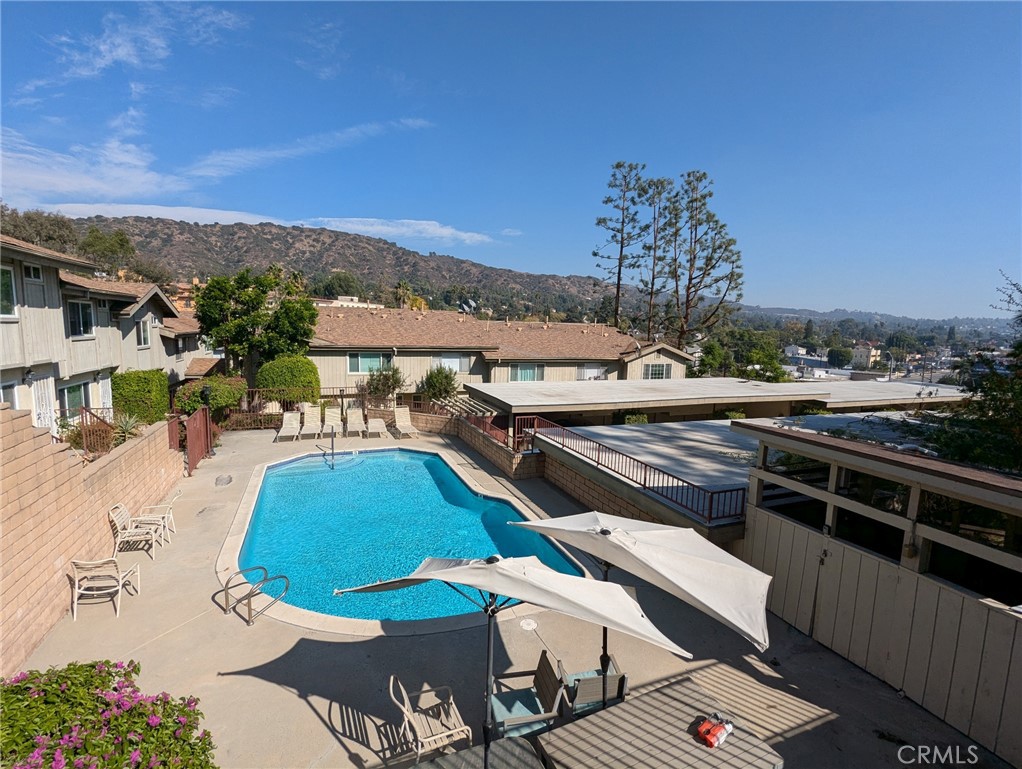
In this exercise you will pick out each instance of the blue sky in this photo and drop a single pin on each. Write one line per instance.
(865, 155)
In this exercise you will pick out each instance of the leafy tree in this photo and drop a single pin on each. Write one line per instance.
(706, 268)
(108, 248)
(403, 293)
(839, 357)
(656, 195)
(623, 226)
(291, 378)
(224, 392)
(439, 382)
(715, 360)
(266, 315)
(52, 231)
(381, 384)
(950, 339)
(810, 331)
(338, 283)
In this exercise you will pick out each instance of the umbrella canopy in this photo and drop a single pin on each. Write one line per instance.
(675, 559)
(529, 579)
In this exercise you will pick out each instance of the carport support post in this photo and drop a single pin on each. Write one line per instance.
(491, 613)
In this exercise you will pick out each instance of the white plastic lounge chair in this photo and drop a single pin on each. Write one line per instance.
(127, 529)
(403, 423)
(311, 425)
(429, 725)
(356, 422)
(291, 426)
(333, 417)
(518, 712)
(99, 579)
(376, 427)
(162, 513)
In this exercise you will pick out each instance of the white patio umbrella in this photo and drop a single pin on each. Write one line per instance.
(674, 559)
(502, 580)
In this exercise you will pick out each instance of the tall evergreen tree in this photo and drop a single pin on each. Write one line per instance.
(655, 195)
(707, 269)
(623, 226)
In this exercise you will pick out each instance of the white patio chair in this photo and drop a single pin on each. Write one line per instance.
(333, 417)
(429, 726)
(291, 426)
(127, 529)
(164, 514)
(356, 422)
(311, 424)
(101, 579)
(376, 427)
(403, 423)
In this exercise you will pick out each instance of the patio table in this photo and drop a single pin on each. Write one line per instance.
(508, 753)
(653, 730)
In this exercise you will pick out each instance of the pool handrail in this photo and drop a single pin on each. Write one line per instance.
(254, 590)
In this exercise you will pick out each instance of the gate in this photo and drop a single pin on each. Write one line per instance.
(198, 438)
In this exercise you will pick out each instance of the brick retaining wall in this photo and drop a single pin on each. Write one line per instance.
(53, 509)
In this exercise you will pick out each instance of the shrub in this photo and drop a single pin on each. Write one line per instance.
(630, 417)
(126, 426)
(146, 394)
(381, 384)
(440, 382)
(224, 392)
(289, 378)
(92, 714)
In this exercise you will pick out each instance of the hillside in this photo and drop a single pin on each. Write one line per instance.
(201, 250)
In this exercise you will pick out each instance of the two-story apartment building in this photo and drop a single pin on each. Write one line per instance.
(350, 342)
(864, 356)
(63, 334)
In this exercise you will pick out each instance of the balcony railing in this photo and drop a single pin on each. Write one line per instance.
(709, 506)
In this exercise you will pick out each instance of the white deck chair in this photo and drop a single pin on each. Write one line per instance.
(333, 417)
(311, 424)
(403, 423)
(432, 725)
(291, 426)
(376, 426)
(127, 529)
(99, 579)
(356, 422)
(164, 514)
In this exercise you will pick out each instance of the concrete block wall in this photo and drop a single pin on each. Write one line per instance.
(592, 493)
(54, 509)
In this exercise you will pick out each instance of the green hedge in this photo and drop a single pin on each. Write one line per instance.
(144, 394)
(289, 378)
(224, 392)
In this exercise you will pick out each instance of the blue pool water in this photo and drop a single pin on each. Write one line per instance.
(376, 516)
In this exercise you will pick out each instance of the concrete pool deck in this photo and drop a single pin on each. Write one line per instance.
(279, 695)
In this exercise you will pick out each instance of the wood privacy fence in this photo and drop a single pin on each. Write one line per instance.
(709, 506)
(198, 438)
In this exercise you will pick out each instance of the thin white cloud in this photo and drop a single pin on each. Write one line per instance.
(224, 163)
(218, 96)
(138, 90)
(128, 123)
(395, 229)
(322, 51)
(391, 229)
(109, 170)
(511, 232)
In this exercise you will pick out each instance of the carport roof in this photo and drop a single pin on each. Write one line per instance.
(546, 397)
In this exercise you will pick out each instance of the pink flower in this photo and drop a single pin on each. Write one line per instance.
(100, 667)
(79, 763)
(154, 720)
(177, 732)
(18, 678)
(119, 665)
(58, 760)
(182, 720)
(153, 761)
(136, 756)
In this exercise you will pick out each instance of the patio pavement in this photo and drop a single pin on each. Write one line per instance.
(278, 695)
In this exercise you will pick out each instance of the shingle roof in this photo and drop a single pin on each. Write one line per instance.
(186, 324)
(200, 367)
(33, 250)
(119, 288)
(359, 328)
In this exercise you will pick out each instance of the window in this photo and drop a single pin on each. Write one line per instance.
(142, 333)
(527, 372)
(72, 399)
(7, 394)
(33, 272)
(590, 371)
(455, 361)
(656, 370)
(179, 347)
(364, 362)
(103, 304)
(8, 298)
(80, 318)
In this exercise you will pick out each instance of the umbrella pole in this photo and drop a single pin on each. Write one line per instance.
(491, 611)
(605, 657)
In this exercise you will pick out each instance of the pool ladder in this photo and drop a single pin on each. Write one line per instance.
(254, 590)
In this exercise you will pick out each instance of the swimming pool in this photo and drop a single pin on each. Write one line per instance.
(376, 516)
